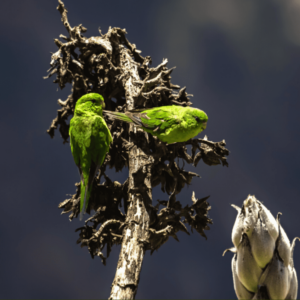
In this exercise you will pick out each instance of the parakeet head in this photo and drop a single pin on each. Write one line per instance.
(88, 103)
(198, 118)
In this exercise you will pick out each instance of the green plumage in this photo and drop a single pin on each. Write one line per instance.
(90, 139)
(170, 124)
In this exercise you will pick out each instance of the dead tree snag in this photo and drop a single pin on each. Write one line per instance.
(111, 66)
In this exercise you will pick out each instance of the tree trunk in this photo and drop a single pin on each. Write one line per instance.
(135, 233)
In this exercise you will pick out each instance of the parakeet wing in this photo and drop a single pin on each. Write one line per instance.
(77, 135)
(158, 119)
(100, 140)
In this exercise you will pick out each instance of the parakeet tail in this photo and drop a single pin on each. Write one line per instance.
(83, 203)
(117, 116)
(86, 193)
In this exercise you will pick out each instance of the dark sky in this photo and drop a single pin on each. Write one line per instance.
(240, 59)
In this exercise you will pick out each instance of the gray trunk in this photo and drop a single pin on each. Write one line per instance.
(135, 233)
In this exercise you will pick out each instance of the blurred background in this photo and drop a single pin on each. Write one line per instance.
(240, 60)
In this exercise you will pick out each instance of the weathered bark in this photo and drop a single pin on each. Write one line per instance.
(136, 230)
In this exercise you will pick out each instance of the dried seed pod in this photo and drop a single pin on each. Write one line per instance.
(263, 265)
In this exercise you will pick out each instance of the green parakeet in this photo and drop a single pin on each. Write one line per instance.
(170, 124)
(90, 139)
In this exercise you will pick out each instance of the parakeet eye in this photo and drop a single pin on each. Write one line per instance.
(197, 119)
(94, 101)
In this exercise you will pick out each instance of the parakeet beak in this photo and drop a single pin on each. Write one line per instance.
(204, 125)
(103, 105)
